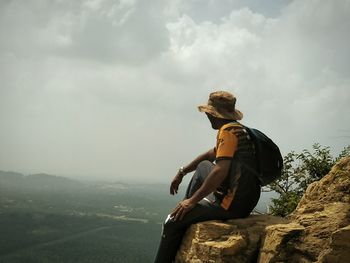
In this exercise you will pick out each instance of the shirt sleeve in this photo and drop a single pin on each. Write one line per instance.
(226, 145)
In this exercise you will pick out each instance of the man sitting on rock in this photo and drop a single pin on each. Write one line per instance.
(224, 190)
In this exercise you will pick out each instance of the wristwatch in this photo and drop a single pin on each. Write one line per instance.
(182, 171)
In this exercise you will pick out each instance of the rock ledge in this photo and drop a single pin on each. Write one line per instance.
(317, 231)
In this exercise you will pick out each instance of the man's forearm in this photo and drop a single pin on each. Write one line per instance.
(212, 182)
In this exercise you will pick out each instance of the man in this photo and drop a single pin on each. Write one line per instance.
(224, 190)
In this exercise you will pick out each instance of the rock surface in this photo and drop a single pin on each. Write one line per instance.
(317, 231)
(235, 240)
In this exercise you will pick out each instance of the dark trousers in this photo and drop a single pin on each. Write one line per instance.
(173, 231)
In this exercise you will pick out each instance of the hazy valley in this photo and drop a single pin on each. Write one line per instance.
(46, 218)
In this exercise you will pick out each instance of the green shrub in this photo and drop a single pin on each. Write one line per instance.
(299, 171)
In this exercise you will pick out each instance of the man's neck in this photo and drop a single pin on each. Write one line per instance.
(224, 122)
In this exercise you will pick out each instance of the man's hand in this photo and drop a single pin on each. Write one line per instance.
(181, 209)
(174, 186)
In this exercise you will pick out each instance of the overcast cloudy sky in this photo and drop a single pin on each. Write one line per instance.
(109, 89)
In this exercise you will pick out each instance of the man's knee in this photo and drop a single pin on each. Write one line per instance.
(204, 167)
(170, 226)
(205, 164)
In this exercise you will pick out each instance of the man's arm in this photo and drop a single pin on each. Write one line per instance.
(211, 183)
(209, 155)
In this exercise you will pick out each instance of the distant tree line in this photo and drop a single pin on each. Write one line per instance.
(300, 170)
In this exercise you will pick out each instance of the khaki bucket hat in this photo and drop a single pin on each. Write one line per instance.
(221, 104)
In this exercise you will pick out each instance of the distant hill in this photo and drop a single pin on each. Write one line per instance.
(42, 181)
(47, 182)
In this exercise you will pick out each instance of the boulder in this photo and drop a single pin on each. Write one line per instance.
(233, 241)
(281, 243)
(321, 222)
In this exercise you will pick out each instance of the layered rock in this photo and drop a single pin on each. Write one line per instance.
(233, 241)
(320, 225)
(317, 231)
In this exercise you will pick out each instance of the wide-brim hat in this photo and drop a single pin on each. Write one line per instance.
(221, 104)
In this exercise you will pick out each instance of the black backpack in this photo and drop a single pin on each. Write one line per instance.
(269, 158)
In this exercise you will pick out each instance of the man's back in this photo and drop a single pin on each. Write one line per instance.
(241, 189)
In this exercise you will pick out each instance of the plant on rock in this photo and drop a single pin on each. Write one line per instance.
(300, 170)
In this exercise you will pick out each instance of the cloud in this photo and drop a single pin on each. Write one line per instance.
(285, 70)
(111, 31)
(211, 10)
(110, 88)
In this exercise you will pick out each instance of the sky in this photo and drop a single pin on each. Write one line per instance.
(109, 89)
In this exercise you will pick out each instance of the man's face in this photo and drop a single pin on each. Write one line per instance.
(214, 121)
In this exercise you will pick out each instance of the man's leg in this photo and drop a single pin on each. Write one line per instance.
(201, 173)
(173, 231)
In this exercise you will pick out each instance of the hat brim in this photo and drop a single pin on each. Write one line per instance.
(235, 115)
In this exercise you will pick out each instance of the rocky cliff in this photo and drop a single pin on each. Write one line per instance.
(317, 231)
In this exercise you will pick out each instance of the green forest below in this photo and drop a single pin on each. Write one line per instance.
(45, 218)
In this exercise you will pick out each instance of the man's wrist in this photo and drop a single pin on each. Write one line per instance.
(182, 171)
(193, 200)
